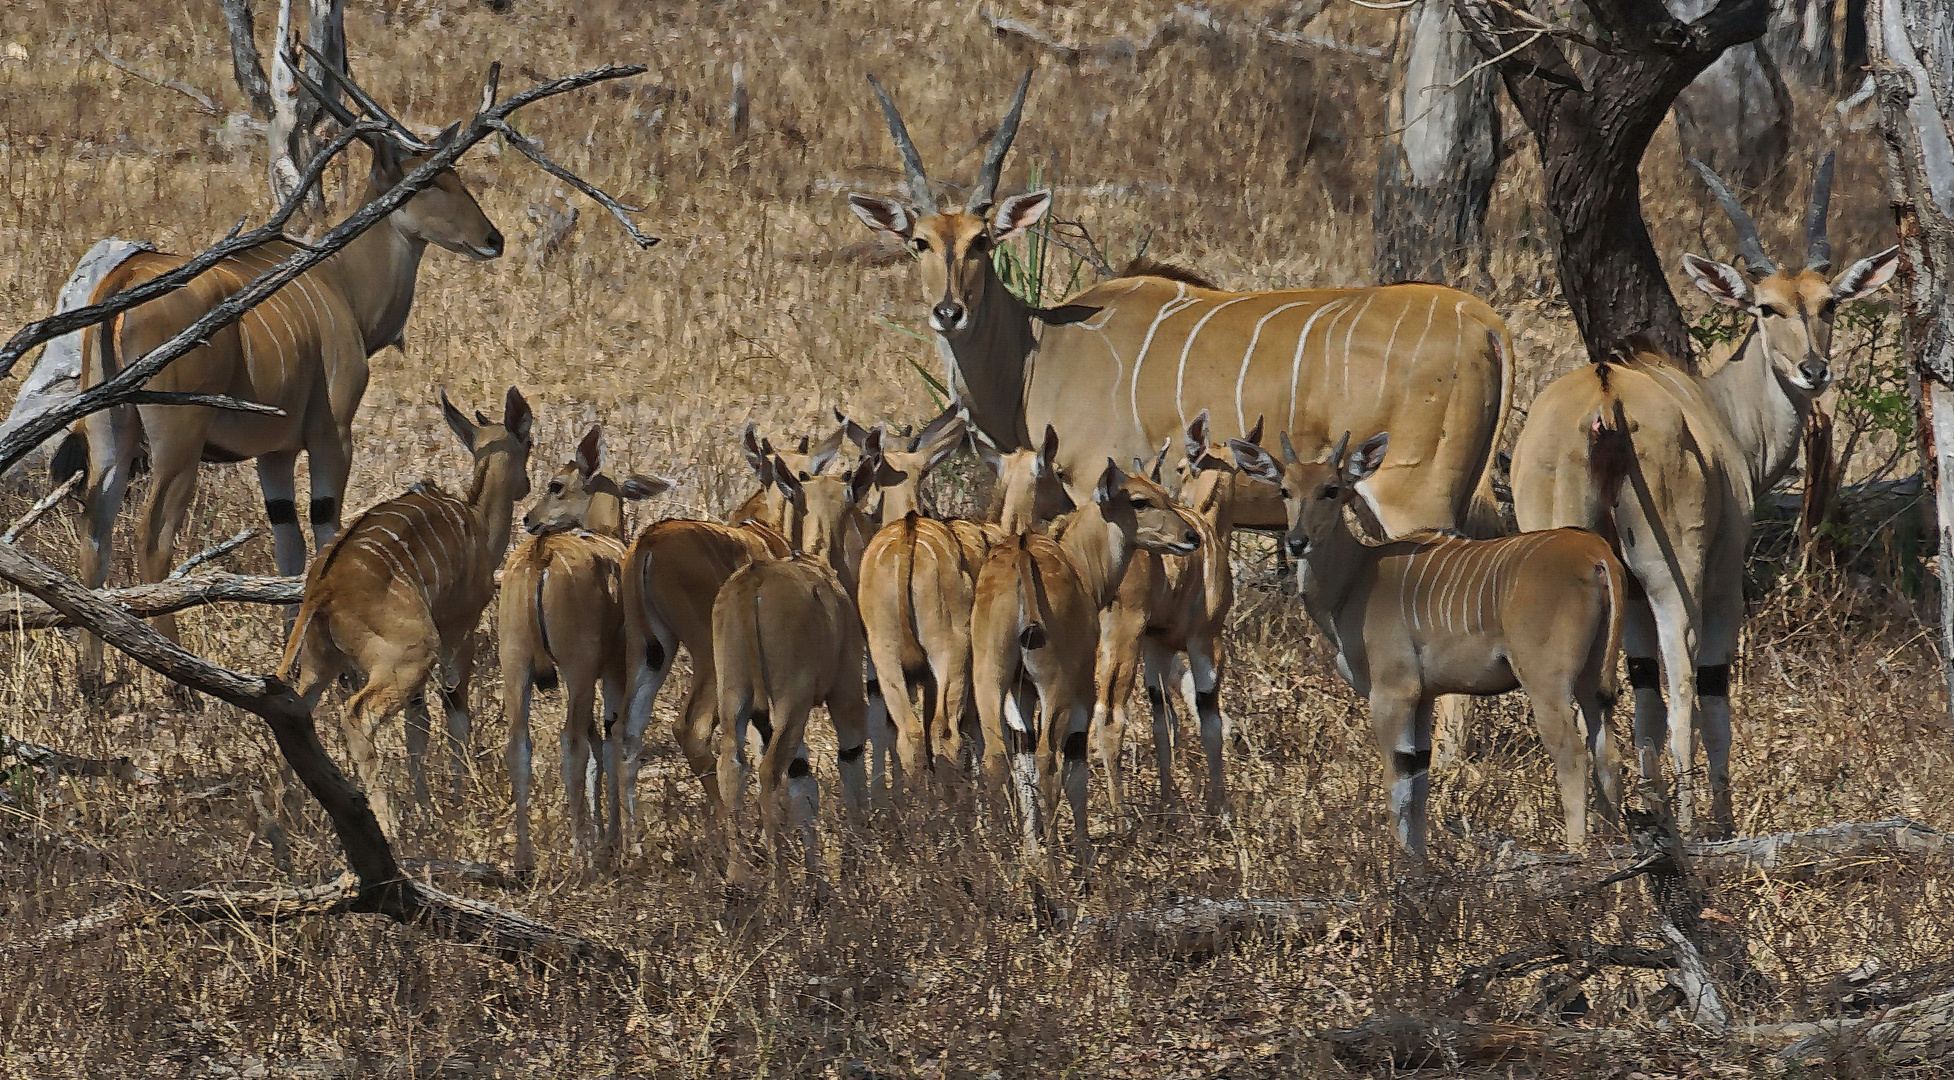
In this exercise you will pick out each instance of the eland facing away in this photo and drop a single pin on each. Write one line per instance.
(1691, 453)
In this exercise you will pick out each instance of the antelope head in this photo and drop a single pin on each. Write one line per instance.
(581, 496)
(501, 450)
(1793, 309)
(1313, 492)
(805, 462)
(1142, 509)
(444, 214)
(953, 246)
(1207, 473)
(815, 511)
(899, 472)
(1030, 488)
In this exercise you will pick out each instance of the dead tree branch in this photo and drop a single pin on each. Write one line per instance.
(47, 757)
(381, 885)
(204, 104)
(161, 598)
(39, 509)
(213, 552)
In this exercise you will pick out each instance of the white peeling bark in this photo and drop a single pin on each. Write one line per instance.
(56, 376)
(1912, 48)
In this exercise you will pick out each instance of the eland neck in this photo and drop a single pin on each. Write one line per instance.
(1329, 571)
(1099, 548)
(1765, 416)
(492, 499)
(987, 361)
(376, 273)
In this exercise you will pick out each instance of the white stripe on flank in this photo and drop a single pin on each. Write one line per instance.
(1390, 343)
(1179, 303)
(1248, 356)
(1430, 310)
(1347, 335)
(1296, 362)
(1180, 376)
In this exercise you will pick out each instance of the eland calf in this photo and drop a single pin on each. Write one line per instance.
(1435, 613)
(398, 595)
(561, 623)
(1035, 629)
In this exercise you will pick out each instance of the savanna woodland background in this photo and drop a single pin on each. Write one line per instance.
(1250, 157)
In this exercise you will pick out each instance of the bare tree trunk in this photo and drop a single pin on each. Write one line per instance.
(291, 116)
(1591, 128)
(1736, 116)
(1801, 41)
(1435, 173)
(1912, 48)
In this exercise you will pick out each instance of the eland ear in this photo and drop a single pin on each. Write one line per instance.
(758, 454)
(457, 422)
(857, 434)
(784, 479)
(863, 480)
(590, 452)
(886, 215)
(1047, 463)
(987, 452)
(824, 455)
(1364, 461)
(516, 414)
(937, 443)
(638, 486)
(1109, 483)
(1018, 213)
(1255, 462)
(1719, 281)
(1866, 276)
(1197, 436)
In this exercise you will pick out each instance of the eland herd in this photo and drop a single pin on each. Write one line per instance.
(1132, 430)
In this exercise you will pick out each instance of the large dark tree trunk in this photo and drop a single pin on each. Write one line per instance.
(1591, 128)
(1912, 50)
(1435, 173)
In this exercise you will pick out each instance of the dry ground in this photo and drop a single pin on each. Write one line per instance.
(1251, 162)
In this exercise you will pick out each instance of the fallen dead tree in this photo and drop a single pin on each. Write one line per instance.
(1196, 926)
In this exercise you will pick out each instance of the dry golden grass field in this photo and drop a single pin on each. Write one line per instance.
(1252, 162)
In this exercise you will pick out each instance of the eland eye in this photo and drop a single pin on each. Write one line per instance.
(1828, 309)
(1286, 495)
(1770, 311)
(803, 476)
(1332, 491)
(556, 487)
(1142, 504)
(918, 244)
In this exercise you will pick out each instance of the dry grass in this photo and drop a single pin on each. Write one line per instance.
(928, 961)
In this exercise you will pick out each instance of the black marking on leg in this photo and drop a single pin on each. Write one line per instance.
(852, 755)
(797, 768)
(325, 511)
(873, 688)
(1075, 746)
(1644, 673)
(544, 679)
(1713, 681)
(763, 724)
(1207, 701)
(1019, 742)
(1155, 698)
(451, 697)
(282, 511)
(1411, 763)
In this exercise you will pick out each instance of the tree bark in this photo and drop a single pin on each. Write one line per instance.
(162, 598)
(1435, 173)
(1591, 128)
(1800, 41)
(1912, 49)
